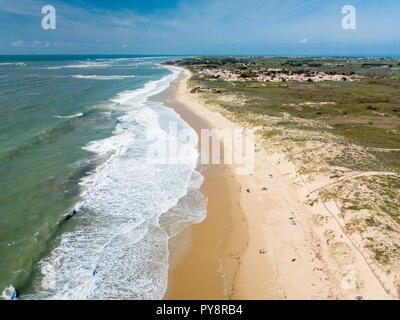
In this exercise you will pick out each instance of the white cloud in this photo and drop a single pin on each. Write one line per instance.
(38, 43)
(17, 43)
(304, 41)
(124, 45)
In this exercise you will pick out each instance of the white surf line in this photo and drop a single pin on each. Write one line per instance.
(99, 77)
(80, 114)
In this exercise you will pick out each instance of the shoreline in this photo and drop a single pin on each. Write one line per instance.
(297, 263)
(205, 257)
(210, 267)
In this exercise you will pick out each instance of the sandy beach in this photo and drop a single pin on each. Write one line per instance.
(261, 244)
(204, 260)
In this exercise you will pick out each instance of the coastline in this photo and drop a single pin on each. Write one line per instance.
(205, 257)
(210, 266)
(296, 265)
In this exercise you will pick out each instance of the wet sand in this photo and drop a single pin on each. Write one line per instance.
(205, 258)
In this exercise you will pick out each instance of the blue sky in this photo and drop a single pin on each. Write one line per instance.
(194, 27)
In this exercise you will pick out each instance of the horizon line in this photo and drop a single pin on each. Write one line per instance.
(210, 55)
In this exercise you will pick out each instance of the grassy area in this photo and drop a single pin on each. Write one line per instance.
(330, 128)
(365, 112)
(370, 206)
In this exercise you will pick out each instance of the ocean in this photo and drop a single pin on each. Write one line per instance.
(85, 210)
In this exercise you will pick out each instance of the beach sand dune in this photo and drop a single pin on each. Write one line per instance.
(262, 244)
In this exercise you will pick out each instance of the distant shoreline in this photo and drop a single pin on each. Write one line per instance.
(207, 55)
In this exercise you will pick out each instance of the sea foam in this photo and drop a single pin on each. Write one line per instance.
(131, 207)
(95, 77)
(80, 114)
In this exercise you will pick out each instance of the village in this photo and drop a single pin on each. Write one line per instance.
(275, 75)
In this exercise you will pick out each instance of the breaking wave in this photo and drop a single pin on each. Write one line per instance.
(94, 77)
(131, 206)
(72, 116)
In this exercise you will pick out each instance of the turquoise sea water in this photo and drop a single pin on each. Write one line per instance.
(73, 134)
